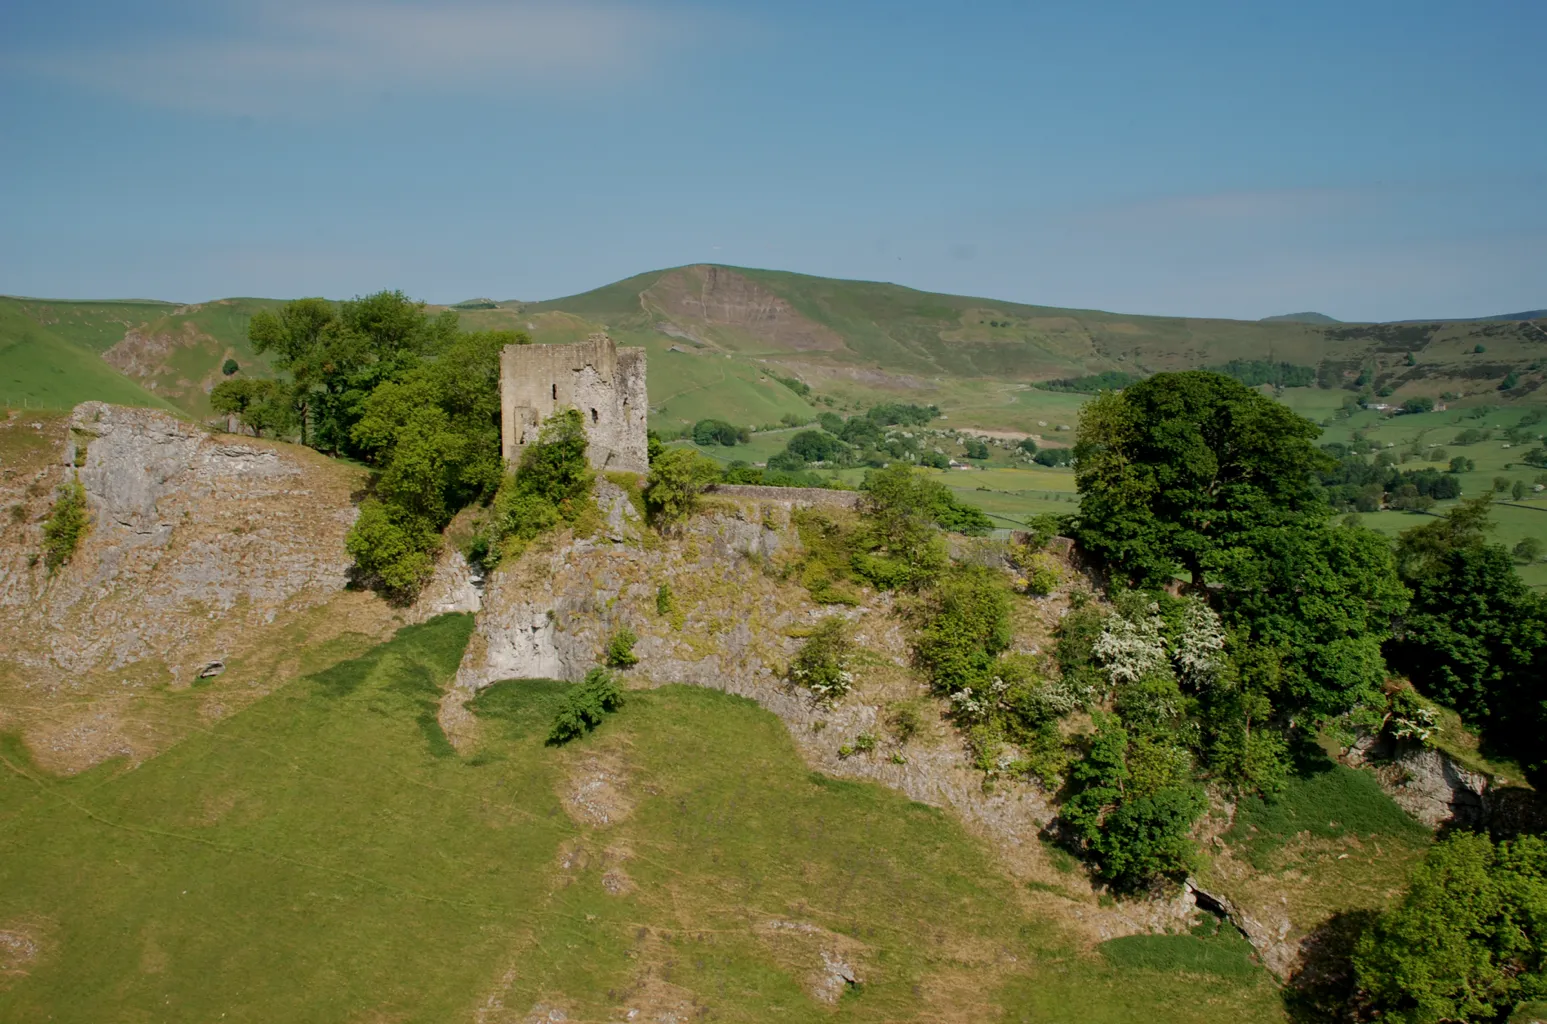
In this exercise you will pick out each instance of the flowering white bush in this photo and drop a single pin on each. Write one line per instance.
(1130, 650)
(1200, 649)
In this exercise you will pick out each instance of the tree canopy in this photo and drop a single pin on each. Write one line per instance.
(1181, 467)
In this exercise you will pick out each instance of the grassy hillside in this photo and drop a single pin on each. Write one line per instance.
(45, 368)
(856, 342)
(59, 353)
(325, 855)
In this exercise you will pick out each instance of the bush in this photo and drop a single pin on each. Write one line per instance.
(229, 367)
(822, 665)
(584, 707)
(708, 432)
(665, 603)
(1468, 941)
(392, 556)
(677, 478)
(67, 524)
(620, 649)
(552, 484)
(1052, 457)
(967, 626)
(906, 720)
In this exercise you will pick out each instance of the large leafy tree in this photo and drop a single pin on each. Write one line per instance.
(1468, 941)
(433, 434)
(1475, 637)
(337, 355)
(1180, 466)
(1195, 473)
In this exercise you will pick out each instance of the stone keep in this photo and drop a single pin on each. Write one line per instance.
(604, 382)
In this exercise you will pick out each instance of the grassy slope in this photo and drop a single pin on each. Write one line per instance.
(45, 368)
(324, 855)
(974, 355)
(53, 351)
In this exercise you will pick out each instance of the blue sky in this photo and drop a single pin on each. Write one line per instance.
(1365, 158)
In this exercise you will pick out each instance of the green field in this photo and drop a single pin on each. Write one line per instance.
(325, 855)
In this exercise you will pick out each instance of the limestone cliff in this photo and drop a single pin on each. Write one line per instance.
(734, 626)
(206, 554)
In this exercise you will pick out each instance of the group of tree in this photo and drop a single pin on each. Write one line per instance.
(1355, 484)
(1258, 372)
(1107, 380)
(874, 438)
(380, 380)
(1291, 618)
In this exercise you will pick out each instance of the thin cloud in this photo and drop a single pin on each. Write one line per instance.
(287, 57)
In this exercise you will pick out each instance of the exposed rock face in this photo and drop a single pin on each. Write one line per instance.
(715, 295)
(1431, 786)
(735, 627)
(200, 548)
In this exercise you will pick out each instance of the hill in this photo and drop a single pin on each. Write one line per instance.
(757, 347)
(1299, 318)
(713, 330)
(133, 352)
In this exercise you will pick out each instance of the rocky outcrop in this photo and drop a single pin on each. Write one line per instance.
(1438, 790)
(733, 626)
(715, 296)
(202, 548)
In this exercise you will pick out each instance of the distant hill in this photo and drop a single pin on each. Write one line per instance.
(54, 354)
(1299, 318)
(757, 347)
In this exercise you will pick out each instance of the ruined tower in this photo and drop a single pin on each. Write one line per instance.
(604, 382)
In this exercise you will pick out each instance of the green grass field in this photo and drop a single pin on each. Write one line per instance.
(325, 855)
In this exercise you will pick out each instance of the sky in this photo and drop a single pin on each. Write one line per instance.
(1368, 159)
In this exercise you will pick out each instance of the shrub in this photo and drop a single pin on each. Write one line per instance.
(229, 367)
(1039, 575)
(620, 649)
(822, 665)
(967, 626)
(665, 604)
(677, 478)
(1467, 941)
(864, 743)
(584, 706)
(67, 524)
(392, 555)
(906, 720)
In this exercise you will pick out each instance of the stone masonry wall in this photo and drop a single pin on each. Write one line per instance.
(605, 383)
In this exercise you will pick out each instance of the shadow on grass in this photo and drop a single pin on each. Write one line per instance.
(1322, 798)
(1323, 989)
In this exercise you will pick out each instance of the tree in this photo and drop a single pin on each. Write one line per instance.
(433, 435)
(260, 405)
(1518, 490)
(708, 432)
(229, 367)
(1183, 465)
(815, 446)
(1475, 636)
(1467, 941)
(975, 448)
(337, 356)
(1027, 445)
(1528, 550)
(676, 480)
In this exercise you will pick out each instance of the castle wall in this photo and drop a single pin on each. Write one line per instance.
(594, 376)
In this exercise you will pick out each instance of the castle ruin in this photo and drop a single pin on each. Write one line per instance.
(604, 382)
